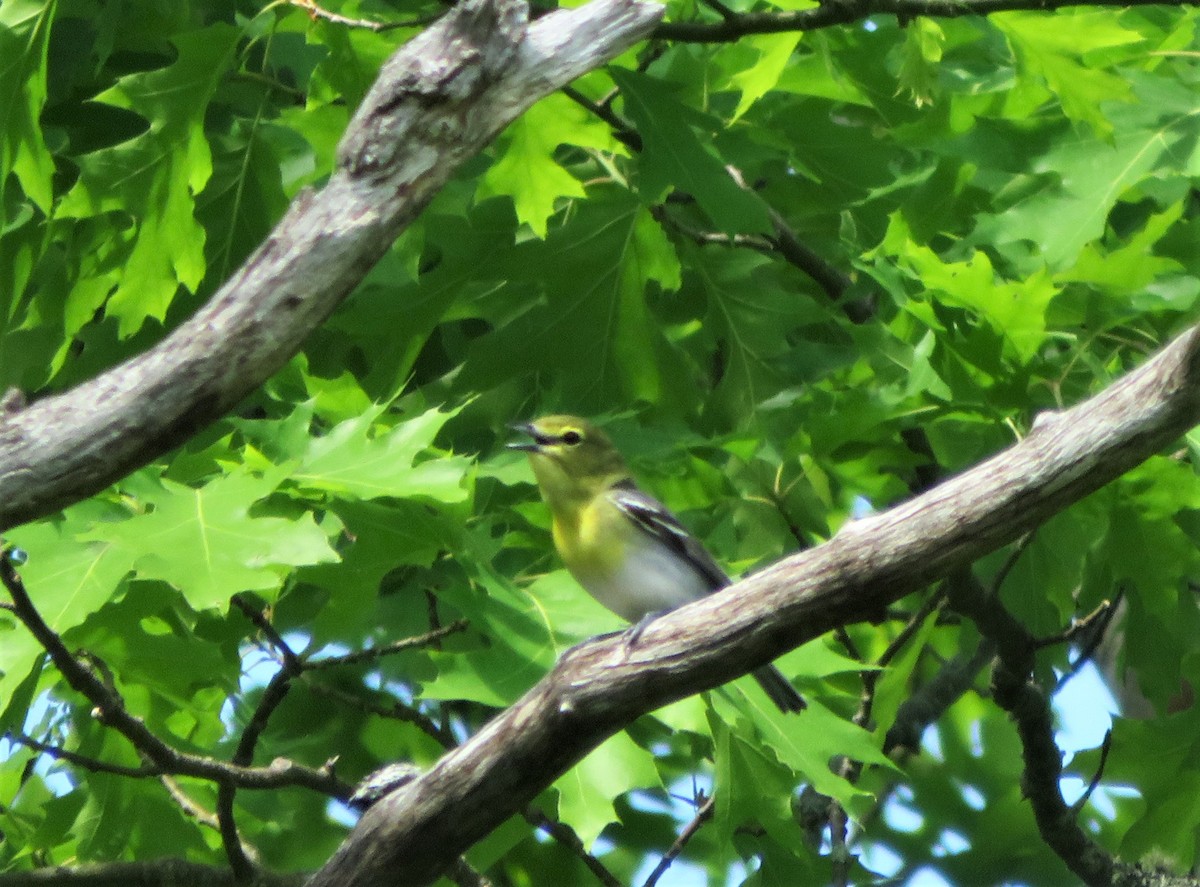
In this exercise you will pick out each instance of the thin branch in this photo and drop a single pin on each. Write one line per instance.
(1093, 638)
(187, 804)
(463, 875)
(273, 694)
(785, 243)
(371, 655)
(842, 12)
(110, 711)
(260, 621)
(87, 763)
(148, 873)
(832, 281)
(1105, 748)
(393, 709)
(316, 12)
(721, 9)
(566, 836)
(1011, 561)
(1085, 624)
(930, 702)
(623, 131)
(703, 814)
(850, 769)
(1029, 707)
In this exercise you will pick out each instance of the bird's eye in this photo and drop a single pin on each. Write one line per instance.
(571, 438)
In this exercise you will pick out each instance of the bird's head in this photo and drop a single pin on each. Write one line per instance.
(572, 459)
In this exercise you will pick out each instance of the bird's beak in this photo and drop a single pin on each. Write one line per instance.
(531, 446)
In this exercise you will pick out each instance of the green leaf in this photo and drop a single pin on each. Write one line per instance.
(527, 170)
(206, 542)
(756, 320)
(587, 791)
(673, 155)
(774, 53)
(1132, 266)
(355, 459)
(1055, 53)
(595, 319)
(923, 45)
(1015, 310)
(747, 778)
(154, 177)
(24, 42)
(385, 537)
(1155, 137)
(1159, 757)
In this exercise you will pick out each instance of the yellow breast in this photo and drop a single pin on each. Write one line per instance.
(591, 543)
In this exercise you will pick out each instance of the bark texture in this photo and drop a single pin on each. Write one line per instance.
(438, 101)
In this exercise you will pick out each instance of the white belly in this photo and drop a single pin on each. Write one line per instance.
(651, 579)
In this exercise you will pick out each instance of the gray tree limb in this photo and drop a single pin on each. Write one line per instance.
(438, 101)
(409, 836)
(150, 873)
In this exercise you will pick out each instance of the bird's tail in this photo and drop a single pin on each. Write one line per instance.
(779, 688)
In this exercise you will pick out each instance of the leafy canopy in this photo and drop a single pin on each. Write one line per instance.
(999, 216)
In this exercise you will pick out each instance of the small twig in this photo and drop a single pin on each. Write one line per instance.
(1093, 638)
(263, 624)
(701, 237)
(721, 9)
(931, 701)
(850, 769)
(933, 603)
(87, 763)
(463, 875)
(187, 805)
(787, 242)
(1029, 707)
(847, 642)
(832, 14)
(566, 836)
(623, 131)
(393, 710)
(1011, 561)
(273, 695)
(1098, 616)
(1105, 747)
(110, 711)
(316, 12)
(421, 640)
(703, 814)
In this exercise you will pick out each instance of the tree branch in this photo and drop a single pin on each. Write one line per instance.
(603, 684)
(1029, 707)
(442, 97)
(703, 815)
(111, 711)
(152, 873)
(842, 12)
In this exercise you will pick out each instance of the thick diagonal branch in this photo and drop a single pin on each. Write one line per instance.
(600, 686)
(437, 102)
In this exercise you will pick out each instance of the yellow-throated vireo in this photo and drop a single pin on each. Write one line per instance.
(624, 547)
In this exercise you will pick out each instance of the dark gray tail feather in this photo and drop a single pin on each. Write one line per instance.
(779, 688)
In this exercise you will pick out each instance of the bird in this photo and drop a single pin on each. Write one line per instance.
(624, 547)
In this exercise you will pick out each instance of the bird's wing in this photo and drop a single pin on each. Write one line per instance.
(651, 516)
